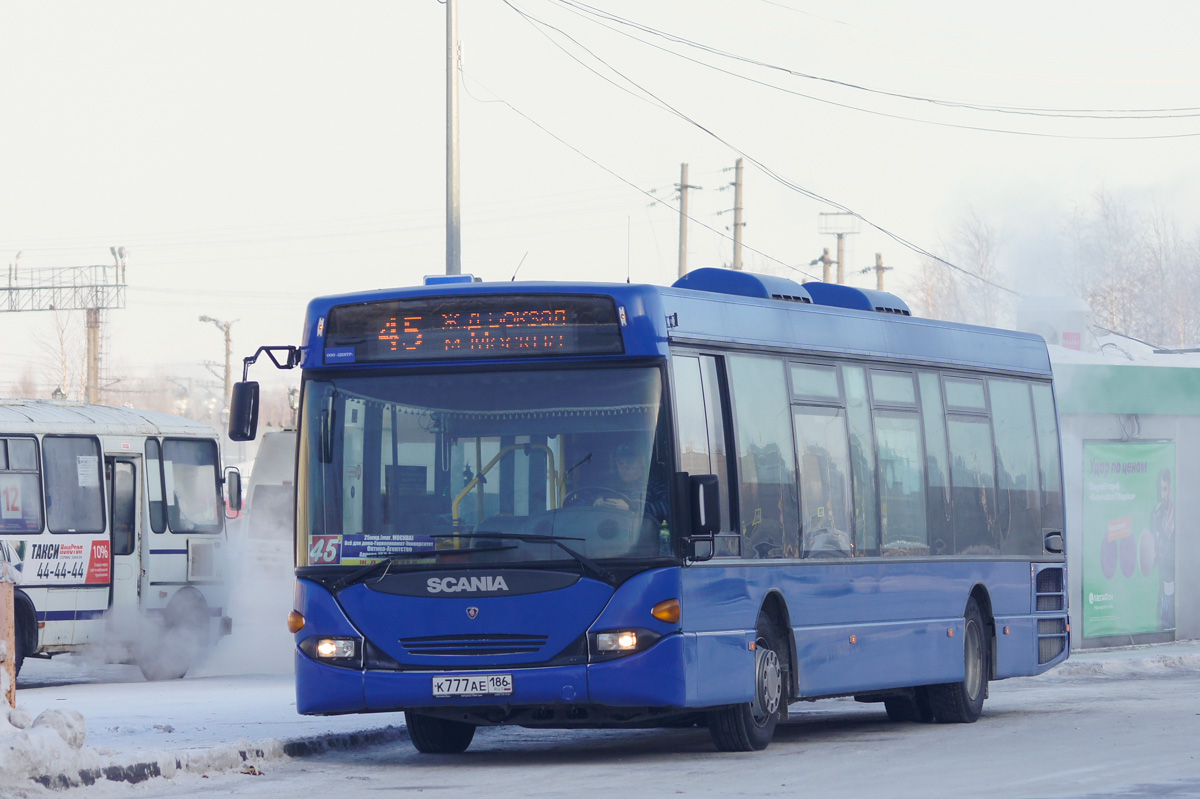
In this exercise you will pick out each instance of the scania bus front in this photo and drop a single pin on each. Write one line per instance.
(469, 552)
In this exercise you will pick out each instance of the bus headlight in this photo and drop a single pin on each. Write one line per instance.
(624, 641)
(339, 651)
(618, 643)
(328, 648)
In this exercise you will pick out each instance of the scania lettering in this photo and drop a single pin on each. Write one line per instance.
(450, 585)
(585, 505)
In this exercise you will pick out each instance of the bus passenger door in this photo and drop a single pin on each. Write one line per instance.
(124, 531)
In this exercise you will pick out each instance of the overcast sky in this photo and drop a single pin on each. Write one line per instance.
(251, 155)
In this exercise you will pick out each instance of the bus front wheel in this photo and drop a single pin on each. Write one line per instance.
(749, 727)
(962, 702)
(434, 736)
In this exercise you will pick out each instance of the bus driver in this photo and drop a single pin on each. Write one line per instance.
(636, 484)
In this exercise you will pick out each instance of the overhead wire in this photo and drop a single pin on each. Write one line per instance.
(912, 246)
(585, 10)
(647, 192)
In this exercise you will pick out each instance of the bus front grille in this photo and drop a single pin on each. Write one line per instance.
(467, 645)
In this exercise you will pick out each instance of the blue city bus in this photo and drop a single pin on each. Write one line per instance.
(830, 497)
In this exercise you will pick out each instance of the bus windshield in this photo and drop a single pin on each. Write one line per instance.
(483, 468)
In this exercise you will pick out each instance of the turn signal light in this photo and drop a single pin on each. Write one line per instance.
(667, 610)
(295, 622)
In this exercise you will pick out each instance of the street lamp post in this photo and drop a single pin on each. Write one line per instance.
(224, 327)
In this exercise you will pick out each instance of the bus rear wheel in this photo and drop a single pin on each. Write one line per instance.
(434, 736)
(962, 702)
(750, 727)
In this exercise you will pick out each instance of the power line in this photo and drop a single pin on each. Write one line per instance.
(762, 167)
(647, 192)
(583, 10)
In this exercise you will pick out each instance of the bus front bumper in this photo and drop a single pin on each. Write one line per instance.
(653, 678)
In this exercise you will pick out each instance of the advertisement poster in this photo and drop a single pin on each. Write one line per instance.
(1128, 538)
(56, 561)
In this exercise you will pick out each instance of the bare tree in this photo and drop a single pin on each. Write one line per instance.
(1171, 284)
(1136, 270)
(975, 248)
(27, 386)
(966, 294)
(66, 350)
(935, 291)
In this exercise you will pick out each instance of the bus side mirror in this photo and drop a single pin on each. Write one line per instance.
(233, 489)
(243, 411)
(704, 512)
(705, 504)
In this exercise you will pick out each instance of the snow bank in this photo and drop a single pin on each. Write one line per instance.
(52, 743)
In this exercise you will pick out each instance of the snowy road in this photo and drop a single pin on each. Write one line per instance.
(1052, 736)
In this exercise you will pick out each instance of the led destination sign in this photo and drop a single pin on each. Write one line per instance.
(498, 326)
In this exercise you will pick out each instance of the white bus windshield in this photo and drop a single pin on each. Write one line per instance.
(479, 468)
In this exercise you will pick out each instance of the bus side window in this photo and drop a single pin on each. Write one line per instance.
(20, 487)
(937, 497)
(862, 462)
(767, 494)
(1018, 505)
(1048, 457)
(154, 486)
(824, 451)
(900, 450)
(74, 496)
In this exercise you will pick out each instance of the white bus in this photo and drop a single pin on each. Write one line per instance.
(115, 522)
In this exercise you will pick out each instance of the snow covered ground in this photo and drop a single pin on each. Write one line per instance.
(107, 722)
(75, 714)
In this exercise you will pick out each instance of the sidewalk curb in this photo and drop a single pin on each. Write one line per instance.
(224, 758)
(1100, 662)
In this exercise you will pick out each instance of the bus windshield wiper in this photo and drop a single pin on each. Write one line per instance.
(587, 563)
(360, 574)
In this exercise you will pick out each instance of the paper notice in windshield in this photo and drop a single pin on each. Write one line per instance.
(361, 549)
(86, 471)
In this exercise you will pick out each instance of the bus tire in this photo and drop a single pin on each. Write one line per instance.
(915, 707)
(750, 727)
(184, 638)
(433, 736)
(962, 702)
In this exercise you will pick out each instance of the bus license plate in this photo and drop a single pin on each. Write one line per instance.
(473, 685)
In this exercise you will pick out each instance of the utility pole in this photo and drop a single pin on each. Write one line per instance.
(738, 224)
(840, 225)
(683, 216)
(879, 269)
(825, 261)
(453, 233)
(224, 327)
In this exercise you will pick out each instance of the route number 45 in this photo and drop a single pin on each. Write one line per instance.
(325, 549)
